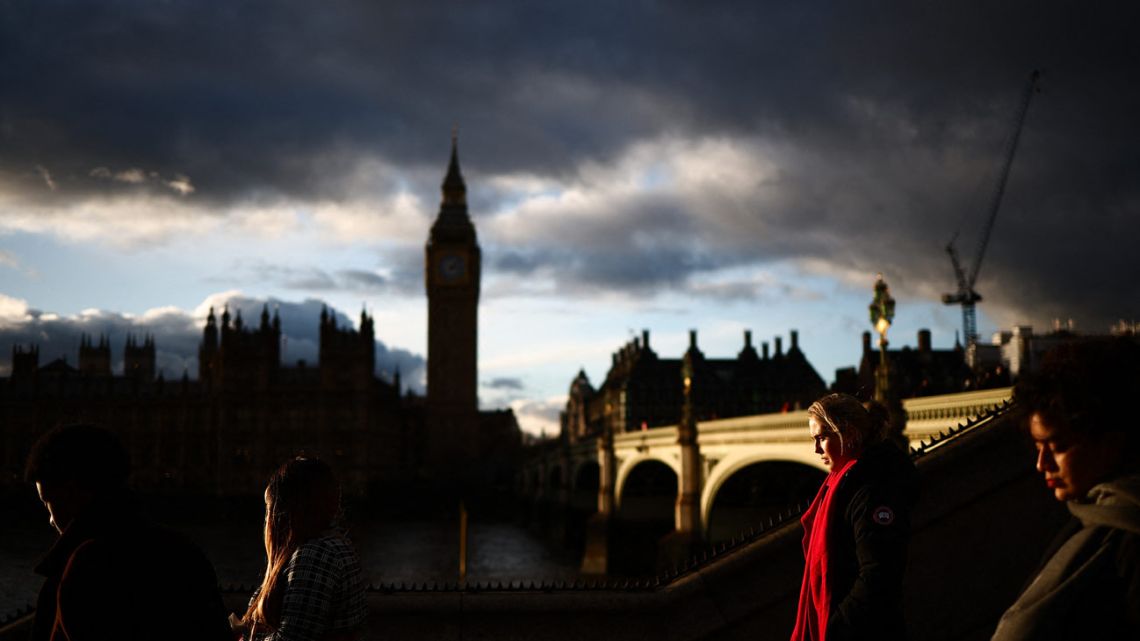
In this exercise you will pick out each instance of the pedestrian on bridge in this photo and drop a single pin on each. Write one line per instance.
(112, 573)
(857, 529)
(1078, 411)
(312, 588)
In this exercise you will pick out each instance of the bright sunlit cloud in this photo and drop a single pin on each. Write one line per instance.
(13, 310)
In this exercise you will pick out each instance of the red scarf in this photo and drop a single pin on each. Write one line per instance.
(815, 597)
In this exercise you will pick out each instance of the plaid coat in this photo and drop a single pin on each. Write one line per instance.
(324, 592)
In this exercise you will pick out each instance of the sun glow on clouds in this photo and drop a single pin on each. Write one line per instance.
(165, 313)
(399, 217)
(123, 222)
(268, 222)
(179, 184)
(141, 221)
(46, 175)
(700, 178)
(13, 310)
(216, 302)
(538, 416)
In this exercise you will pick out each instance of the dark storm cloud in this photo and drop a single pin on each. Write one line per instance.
(319, 280)
(273, 96)
(583, 270)
(514, 384)
(177, 336)
(889, 119)
(406, 277)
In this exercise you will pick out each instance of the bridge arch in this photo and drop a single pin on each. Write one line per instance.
(627, 466)
(730, 465)
(646, 513)
(584, 488)
(534, 482)
(555, 482)
(582, 469)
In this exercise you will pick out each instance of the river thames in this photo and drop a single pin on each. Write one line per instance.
(406, 549)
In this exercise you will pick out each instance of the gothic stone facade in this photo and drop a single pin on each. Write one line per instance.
(642, 390)
(225, 432)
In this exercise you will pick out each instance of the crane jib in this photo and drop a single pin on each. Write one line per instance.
(966, 296)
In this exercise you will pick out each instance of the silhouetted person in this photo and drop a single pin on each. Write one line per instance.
(857, 530)
(312, 588)
(111, 574)
(1079, 411)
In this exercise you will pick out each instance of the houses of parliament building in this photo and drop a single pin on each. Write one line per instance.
(223, 433)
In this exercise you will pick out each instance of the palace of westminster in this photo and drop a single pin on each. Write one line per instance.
(223, 433)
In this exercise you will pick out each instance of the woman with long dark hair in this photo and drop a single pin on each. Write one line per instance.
(312, 587)
(857, 529)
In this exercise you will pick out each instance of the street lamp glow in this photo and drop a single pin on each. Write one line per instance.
(882, 310)
(882, 325)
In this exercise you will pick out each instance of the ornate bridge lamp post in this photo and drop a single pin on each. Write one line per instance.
(688, 506)
(679, 545)
(882, 310)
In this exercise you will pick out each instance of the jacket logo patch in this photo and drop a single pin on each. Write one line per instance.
(883, 515)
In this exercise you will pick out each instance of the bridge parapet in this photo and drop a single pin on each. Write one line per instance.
(656, 437)
(928, 416)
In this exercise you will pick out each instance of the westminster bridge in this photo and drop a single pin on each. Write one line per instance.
(636, 476)
(982, 522)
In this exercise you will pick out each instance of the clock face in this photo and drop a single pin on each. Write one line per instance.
(452, 267)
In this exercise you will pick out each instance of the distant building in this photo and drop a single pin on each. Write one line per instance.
(920, 371)
(1019, 350)
(246, 413)
(642, 390)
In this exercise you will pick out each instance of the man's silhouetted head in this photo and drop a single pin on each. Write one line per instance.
(73, 466)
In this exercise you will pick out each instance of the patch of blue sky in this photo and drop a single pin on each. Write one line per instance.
(70, 277)
(654, 177)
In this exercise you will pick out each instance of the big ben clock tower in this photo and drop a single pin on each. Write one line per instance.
(451, 274)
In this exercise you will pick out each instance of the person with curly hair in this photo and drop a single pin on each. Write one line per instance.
(1088, 451)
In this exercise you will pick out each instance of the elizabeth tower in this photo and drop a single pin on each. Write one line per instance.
(451, 274)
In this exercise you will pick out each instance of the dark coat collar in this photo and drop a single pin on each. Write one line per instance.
(883, 463)
(106, 515)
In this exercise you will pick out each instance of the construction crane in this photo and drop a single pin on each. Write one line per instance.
(966, 296)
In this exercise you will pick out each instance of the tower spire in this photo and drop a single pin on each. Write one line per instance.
(454, 189)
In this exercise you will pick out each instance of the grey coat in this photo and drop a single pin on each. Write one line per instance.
(1089, 588)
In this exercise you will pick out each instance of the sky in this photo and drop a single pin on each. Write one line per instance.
(717, 166)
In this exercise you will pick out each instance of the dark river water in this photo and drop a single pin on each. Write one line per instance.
(393, 550)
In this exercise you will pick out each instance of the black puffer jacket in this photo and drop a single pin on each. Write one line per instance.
(867, 546)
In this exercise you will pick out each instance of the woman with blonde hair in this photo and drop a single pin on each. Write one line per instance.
(857, 529)
(312, 588)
